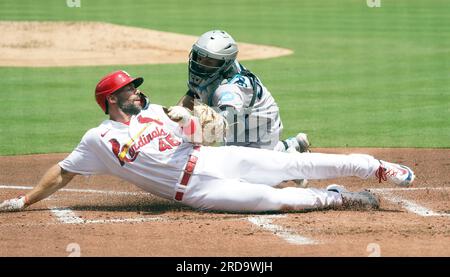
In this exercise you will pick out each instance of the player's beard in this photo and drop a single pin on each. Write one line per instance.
(128, 107)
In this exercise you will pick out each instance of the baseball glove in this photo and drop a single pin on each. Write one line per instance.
(214, 126)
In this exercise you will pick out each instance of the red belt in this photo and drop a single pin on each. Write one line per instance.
(189, 168)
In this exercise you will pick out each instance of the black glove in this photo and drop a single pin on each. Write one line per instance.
(145, 102)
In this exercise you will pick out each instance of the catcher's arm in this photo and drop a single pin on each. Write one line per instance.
(54, 179)
(187, 101)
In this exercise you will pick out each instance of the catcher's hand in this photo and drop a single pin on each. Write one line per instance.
(303, 143)
(15, 204)
(214, 126)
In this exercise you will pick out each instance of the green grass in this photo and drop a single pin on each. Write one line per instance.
(359, 76)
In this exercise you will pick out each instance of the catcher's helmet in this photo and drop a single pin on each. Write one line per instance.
(212, 55)
(111, 83)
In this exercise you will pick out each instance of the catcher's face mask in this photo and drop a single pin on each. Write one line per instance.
(213, 54)
(204, 66)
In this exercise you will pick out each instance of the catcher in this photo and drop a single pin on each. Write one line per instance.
(218, 80)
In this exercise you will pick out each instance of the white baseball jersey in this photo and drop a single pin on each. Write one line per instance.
(258, 125)
(150, 153)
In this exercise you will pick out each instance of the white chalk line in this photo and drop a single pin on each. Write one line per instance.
(411, 206)
(80, 190)
(124, 220)
(67, 216)
(408, 189)
(96, 221)
(265, 222)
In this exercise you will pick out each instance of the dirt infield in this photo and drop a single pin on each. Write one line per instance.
(103, 216)
(47, 43)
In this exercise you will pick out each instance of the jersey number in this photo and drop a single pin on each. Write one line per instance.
(167, 142)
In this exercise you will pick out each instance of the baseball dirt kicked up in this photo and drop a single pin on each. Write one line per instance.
(95, 43)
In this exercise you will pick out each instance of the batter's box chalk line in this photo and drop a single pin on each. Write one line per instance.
(290, 236)
(410, 206)
(111, 192)
(67, 216)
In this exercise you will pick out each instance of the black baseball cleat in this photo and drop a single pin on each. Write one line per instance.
(360, 200)
(356, 200)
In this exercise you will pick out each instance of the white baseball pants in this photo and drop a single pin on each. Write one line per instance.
(242, 179)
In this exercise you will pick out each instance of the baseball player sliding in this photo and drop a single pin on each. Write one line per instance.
(151, 147)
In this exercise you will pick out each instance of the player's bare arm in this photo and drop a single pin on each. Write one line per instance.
(54, 179)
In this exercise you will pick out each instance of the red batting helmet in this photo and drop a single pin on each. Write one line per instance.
(111, 83)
